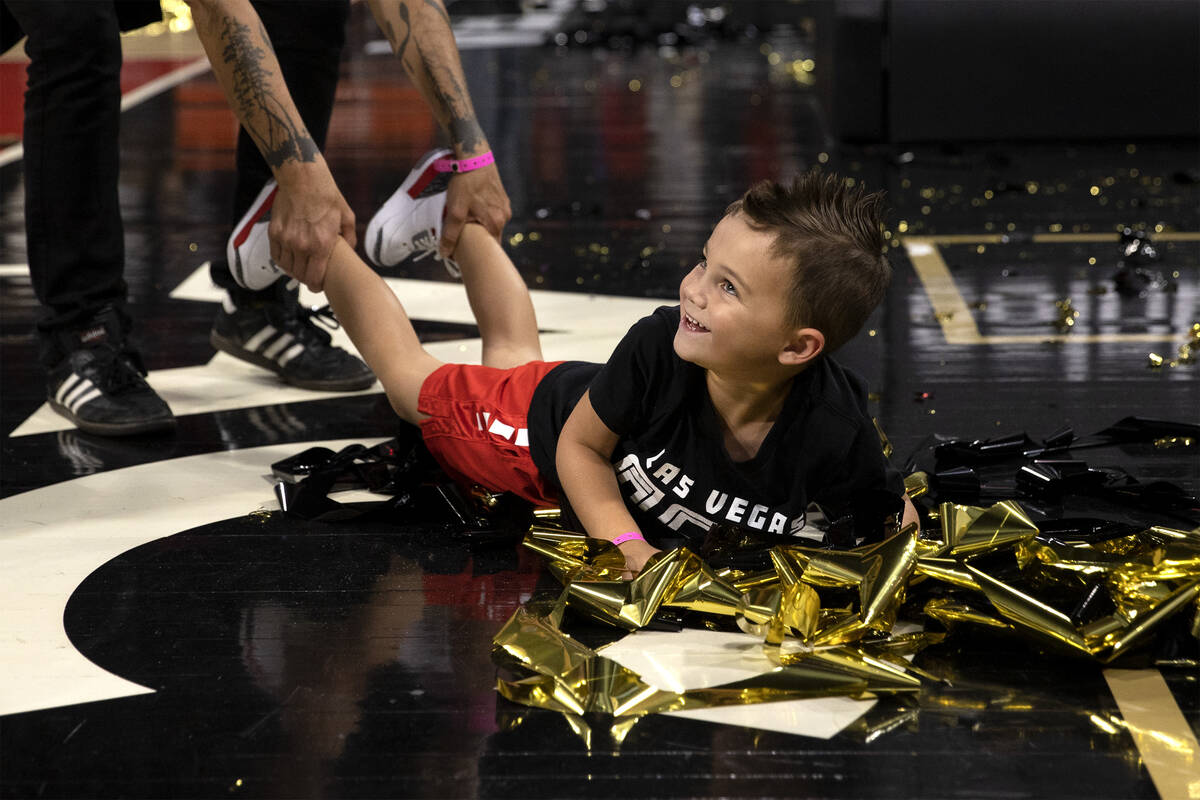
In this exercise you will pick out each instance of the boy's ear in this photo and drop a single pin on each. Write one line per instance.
(805, 345)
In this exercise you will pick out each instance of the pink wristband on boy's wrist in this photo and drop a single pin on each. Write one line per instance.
(464, 164)
(628, 537)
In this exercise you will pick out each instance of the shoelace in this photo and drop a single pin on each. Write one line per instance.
(306, 322)
(322, 315)
(425, 245)
(117, 371)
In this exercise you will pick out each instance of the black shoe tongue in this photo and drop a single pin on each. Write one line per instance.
(93, 335)
(103, 329)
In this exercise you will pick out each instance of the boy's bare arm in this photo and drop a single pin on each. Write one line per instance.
(420, 35)
(309, 213)
(586, 475)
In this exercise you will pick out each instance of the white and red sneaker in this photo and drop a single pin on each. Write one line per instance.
(409, 225)
(249, 248)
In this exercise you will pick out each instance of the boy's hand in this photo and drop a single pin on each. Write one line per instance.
(637, 552)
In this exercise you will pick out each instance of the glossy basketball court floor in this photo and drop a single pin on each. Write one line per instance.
(162, 635)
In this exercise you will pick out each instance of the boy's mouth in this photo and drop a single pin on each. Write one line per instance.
(692, 325)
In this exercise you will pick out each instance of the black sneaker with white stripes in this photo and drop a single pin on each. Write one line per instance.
(279, 334)
(100, 384)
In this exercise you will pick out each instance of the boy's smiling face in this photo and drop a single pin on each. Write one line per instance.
(733, 311)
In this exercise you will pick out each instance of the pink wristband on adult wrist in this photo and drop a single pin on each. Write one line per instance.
(465, 164)
(627, 537)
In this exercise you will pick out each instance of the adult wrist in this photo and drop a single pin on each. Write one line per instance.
(629, 536)
(303, 176)
(467, 164)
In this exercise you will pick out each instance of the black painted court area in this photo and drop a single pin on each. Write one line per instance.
(304, 659)
(294, 658)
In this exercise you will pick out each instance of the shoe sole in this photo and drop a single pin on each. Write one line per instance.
(261, 205)
(114, 428)
(420, 177)
(323, 385)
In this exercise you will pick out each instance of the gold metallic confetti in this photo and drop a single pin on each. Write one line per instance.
(883, 439)
(916, 484)
(948, 612)
(827, 619)
(1174, 441)
(1187, 351)
(1067, 314)
(970, 529)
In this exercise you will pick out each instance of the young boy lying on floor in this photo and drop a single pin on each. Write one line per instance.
(724, 409)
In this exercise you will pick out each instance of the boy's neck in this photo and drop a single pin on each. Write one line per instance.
(741, 400)
(747, 408)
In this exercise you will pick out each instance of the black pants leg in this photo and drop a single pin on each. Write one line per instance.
(308, 37)
(76, 241)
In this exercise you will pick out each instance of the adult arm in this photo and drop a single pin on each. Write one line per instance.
(585, 471)
(309, 213)
(420, 35)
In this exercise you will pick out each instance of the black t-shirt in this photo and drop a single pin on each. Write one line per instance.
(675, 474)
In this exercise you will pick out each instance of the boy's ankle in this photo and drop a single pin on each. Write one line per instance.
(469, 232)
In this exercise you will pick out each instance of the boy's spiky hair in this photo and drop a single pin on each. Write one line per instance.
(832, 236)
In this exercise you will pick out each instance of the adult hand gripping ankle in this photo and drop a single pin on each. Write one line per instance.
(475, 196)
(308, 217)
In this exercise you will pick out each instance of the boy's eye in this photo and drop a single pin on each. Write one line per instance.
(728, 288)
(702, 263)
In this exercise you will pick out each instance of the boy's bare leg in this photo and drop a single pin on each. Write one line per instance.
(379, 328)
(499, 299)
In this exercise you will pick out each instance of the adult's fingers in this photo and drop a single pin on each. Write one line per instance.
(488, 203)
(286, 248)
(307, 270)
(452, 225)
(314, 273)
(287, 260)
(476, 196)
(274, 237)
(495, 221)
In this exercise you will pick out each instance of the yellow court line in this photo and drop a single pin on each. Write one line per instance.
(1161, 733)
(957, 321)
(959, 238)
(1048, 238)
(1064, 238)
(949, 307)
(1077, 338)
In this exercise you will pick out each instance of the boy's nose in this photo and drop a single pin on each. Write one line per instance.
(693, 289)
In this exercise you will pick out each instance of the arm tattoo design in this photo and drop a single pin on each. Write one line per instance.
(455, 104)
(438, 7)
(279, 138)
(400, 46)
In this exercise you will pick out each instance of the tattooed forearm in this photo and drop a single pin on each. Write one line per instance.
(440, 9)
(466, 132)
(265, 118)
(452, 103)
(420, 35)
(399, 46)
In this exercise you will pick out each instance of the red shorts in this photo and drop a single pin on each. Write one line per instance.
(477, 430)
